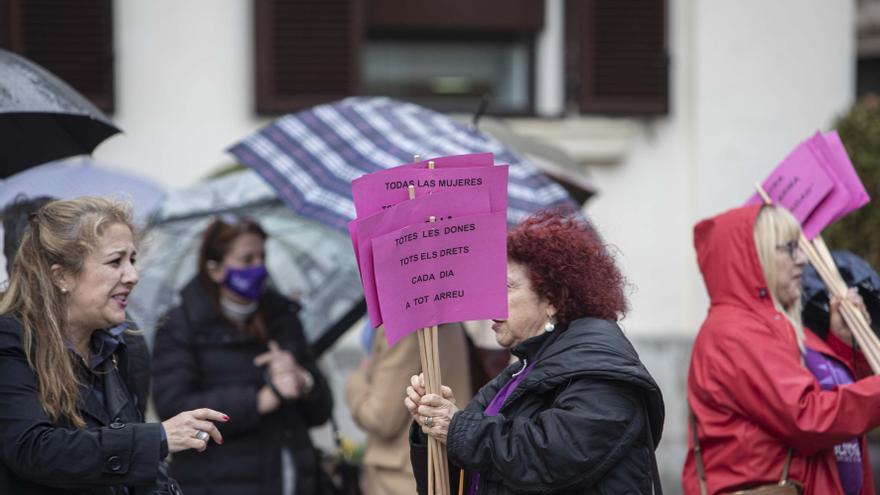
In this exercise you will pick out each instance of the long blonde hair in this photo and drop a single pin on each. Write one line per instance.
(61, 233)
(773, 227)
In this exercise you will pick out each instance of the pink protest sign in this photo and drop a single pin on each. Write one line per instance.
(377, 191)
(816, 199)
(835, 204)
(444, 206)
(799, 183)
(454, 161)
(454, 270)
(843, 170)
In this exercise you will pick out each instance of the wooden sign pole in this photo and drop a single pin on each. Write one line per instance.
(429, 352)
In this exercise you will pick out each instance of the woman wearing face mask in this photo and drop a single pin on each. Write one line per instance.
(770, 399)
(238, 346)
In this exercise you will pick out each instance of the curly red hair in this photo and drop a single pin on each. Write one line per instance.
(568, 265)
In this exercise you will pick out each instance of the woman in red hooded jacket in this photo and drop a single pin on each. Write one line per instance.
(759, 385)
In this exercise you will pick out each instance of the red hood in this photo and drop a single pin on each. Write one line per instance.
(729, 260)
(751, 394)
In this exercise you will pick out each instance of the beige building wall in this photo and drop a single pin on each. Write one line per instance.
(749, 79)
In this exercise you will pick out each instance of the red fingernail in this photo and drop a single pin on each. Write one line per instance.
(225, 418)
(221, 441)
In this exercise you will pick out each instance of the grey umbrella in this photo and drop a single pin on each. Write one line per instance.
(42, 118)
(309, 261)
(81, 176)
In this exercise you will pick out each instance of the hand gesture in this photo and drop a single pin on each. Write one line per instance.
(285, 373)
(838, 325)
(192, 429)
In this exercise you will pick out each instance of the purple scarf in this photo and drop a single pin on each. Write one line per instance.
(830, 374)
(495, 406)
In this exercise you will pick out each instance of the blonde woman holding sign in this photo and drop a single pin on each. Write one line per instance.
(578, 413)
(771, 400)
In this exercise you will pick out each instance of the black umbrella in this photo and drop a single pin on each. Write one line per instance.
(856, 272)
(42, 118)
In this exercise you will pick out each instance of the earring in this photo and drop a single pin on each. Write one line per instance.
(63, 290)
(549, 326)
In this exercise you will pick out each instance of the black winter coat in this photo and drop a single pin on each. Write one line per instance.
(575, 425)
(138, 369)
(40, 457)
(201, 360)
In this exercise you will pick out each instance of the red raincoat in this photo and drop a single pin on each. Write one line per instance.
(752, 396)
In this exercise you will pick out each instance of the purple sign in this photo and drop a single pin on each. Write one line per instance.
(444, 206)
(442, 272)
(845, 174)
(374, 192)
(817, 183)
(455, 161)
(799, 183)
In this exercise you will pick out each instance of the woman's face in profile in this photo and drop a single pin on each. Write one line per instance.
(98, 295)
(790, 261)
(527, 312)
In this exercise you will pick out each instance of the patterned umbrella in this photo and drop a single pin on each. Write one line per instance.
(311, 157)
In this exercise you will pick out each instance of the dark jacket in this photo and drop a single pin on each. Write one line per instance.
(40, 457)
(575, 425)
(138, 368)
(201, 360)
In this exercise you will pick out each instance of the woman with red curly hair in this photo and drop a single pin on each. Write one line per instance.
(578, 413)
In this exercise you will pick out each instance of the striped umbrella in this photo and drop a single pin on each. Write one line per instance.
(311, 157)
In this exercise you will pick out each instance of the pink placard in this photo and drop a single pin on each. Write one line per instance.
(799, 183)
(375, 192)
(835, 204)
(429, 274)
(444, 206)
(455, 161)
(473, 160)
(845, 171)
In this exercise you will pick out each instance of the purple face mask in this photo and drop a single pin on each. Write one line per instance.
(246, 282)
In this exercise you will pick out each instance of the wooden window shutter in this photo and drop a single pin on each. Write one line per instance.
(617, 57)
(72, 39)
(307, 52)
(482, 16)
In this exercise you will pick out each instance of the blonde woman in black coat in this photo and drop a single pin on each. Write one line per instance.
(68, 423)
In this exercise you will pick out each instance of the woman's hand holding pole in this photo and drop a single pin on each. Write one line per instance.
(434, 413)
(838, 324)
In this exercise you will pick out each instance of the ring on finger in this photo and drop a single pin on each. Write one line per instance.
(202, 435)
(429, 421)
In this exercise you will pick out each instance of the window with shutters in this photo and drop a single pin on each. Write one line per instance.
(451, 75)
(72, 39)
(449, 54)
(446, 55)
(308, 52)
(616, 56)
